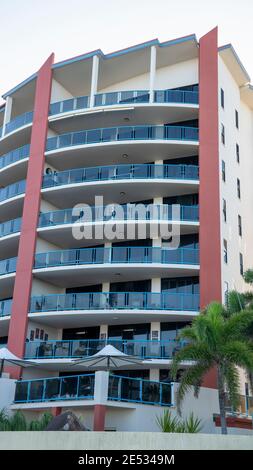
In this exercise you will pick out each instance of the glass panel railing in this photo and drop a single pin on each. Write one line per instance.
(9, 227)
(61, 349)
(139, 391)
(5, 307)
(117, 255)
(104, 214)
(112, 134)
(75, 387)
(14, 156)
(19, 121)
(12, 190)
(72, 104)
(165, 300)
(8, 266)
(119, 172)
(124, 97)
(176, 96)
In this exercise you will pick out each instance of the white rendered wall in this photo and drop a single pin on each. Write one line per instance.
(181, 74)
(59, 93)
(42, 288)
(228, 190)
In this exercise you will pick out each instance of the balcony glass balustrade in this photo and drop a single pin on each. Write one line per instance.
(12, 190)
(139, 391)
(119, 172)
(166, 300)
(115, 255)
(124, 97)
(14, 156)
(176, 96)
(75, 387)
(104, 214)
(123, 133)
(8, 266)
(5, 307)
(9, 227)
(80, 387)
(55, 349)
(72, 104)
(19, 121)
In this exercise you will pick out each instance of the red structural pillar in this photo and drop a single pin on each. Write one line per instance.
(99, 418)
(28, 235)
(56, 411)
(209, 192)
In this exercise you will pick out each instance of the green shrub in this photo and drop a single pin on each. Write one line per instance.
(17, 422)
(169, 423)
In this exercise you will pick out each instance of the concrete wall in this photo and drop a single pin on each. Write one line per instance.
(120, 441)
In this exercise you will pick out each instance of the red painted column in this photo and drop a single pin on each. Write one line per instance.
(209, 193)
(56, 411)
(28, 235)
(99, 418)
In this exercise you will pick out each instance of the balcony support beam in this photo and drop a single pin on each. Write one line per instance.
(152, 73)
(7, 113)
(94, 80)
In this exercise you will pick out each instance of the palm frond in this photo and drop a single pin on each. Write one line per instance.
(191, 378)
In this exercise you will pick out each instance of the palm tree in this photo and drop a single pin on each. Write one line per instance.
(218, 340)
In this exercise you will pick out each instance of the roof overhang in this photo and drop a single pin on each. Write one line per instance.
(184, 48)
(246, 93)
(233, 63)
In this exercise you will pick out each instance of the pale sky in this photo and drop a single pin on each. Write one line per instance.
(31, 29)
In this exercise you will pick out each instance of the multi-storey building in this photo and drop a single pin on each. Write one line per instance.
(157, 123)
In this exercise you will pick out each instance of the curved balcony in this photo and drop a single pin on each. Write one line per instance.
(19, 121)
(116, 255)
(8, 266)
(57, 227)
(94, 265)
(13, 164)
(167, 142)
(57, 388)
(65, 349)
(166, 106)
(76, 184)
(7, 276)
(124, 97)
(11, 199)
(9, 237)
(82, 387)
(10, 227)
(123, 133)
(5, 307)
(169, 301)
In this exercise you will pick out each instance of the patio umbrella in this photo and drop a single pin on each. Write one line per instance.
(8, 357)
(108, 358)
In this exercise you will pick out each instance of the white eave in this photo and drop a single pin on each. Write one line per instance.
(234, 65)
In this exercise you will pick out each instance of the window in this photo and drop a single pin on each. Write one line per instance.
(236, 119)
(224, 210)
(239, 225)
(223, 134)
(237, 153)
(222, 98)
(226, 292)
(223, 170)
(225, 251)
(241, 263)
(238, 188)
